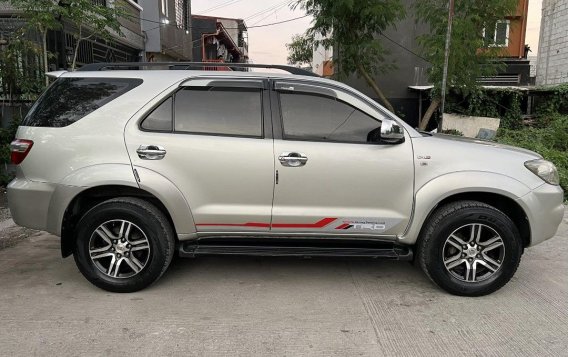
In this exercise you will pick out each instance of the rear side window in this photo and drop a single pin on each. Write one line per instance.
(68, 100)
(160, 119)
(219, 111)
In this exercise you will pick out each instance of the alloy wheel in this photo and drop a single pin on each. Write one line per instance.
(473, 252)
(119, 249)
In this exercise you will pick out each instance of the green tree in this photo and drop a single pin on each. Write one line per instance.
(471, 55)
(41, 16)
(300, 50)
(21, 76)
(90, 19)
(353, 27)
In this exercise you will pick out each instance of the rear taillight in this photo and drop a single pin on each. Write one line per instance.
(19, 149)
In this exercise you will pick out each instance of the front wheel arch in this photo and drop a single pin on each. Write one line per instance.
(470, 249)
(502, 203)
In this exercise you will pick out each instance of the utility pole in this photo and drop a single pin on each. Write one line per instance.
(446, 59)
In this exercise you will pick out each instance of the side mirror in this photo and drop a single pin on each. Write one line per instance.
(391, 132)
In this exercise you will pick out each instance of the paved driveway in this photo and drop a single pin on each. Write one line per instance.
(277, 306)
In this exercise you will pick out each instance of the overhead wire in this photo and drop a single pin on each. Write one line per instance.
(219, 6)
(228, 28)
(268, 9)
(273, 12)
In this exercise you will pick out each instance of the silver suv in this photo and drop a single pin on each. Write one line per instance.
(130, 165)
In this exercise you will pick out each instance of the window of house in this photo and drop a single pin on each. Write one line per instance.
(497, 35)
(321, 118)
(219, 111)
(160, 119)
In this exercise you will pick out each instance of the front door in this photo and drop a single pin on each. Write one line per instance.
(332, 176)
(213, 139)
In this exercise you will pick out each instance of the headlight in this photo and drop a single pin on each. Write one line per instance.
(545, 170)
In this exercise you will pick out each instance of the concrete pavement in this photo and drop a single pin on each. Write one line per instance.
(278, 306)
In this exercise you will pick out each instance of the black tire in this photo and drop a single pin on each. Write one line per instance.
(450, 218)
(145, 218)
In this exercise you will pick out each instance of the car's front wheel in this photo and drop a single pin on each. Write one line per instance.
(123, 244)
(470, 248)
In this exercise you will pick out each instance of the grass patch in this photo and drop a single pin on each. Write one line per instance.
(550, 141)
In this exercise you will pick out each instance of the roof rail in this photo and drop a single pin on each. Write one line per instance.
(191, 65)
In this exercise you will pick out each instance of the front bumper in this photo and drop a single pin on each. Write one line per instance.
(29, 202)
(545, 210)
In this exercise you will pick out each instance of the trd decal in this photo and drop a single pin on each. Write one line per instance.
(363, 225)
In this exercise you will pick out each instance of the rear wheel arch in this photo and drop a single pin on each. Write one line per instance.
(91, 197)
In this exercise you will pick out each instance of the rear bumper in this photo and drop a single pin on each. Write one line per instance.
(40, 205)
(545, 210)
(29, 202)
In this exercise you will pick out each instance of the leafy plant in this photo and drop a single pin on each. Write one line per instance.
(454, 132)
(353, 26)
(6, 137)
(41, 16)
(91, 19)
(21, 78)
(300, 50)
(550, 101)
(504, 104)
(551, 142)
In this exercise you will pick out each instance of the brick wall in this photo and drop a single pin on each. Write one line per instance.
(552, 65)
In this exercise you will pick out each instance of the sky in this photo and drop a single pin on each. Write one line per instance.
(268, 44)
(533, 25)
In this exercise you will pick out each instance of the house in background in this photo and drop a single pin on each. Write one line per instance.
(552, 63)
(322, 60)
(510, 35)
(166, 25)
(219, 40)
(95, 49)
(407, 86)
(61, 44)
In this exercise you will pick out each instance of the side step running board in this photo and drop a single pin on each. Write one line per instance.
(191, 249)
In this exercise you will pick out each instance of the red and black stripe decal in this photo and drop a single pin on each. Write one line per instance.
(319, 224)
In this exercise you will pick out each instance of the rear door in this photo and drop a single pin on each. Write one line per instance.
(213, 139)
(332, 176)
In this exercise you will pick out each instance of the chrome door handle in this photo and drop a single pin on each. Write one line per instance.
(151, 152)
(293, 159)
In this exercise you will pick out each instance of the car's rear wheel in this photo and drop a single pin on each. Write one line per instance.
(124, 244)
(470, 248)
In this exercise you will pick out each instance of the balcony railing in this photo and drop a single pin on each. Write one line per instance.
(215, 68)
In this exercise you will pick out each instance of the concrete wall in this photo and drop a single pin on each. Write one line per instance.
(552, 66)
(163, 34)
(320, 57)
(469, 126)
(151, 27)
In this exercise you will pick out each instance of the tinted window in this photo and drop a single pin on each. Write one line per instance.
(160, 119)
(70, 99)
(223, 111)
(319, 118)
